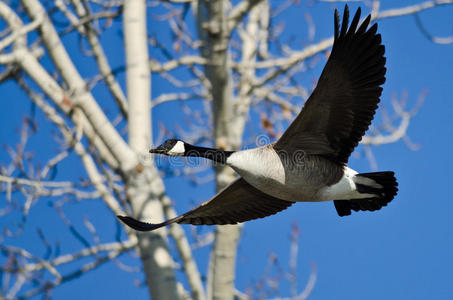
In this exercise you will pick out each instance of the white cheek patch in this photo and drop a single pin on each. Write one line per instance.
(178, 149)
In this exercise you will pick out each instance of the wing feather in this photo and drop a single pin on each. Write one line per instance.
(342, 106)
(238, 202)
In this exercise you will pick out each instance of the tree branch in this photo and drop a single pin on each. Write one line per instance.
(156, 66)
(80, 96)
(185, 252)
(412, 9)
(238, 12)
(87, 160)
(101, 59)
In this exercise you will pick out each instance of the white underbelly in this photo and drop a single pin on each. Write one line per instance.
(345, 189)
(283, 190)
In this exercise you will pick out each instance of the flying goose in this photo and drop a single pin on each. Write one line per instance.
(308, 163)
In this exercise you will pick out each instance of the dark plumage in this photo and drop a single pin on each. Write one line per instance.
(342, 105)
(242, 203)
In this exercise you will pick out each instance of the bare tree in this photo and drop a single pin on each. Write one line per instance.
(234, 62)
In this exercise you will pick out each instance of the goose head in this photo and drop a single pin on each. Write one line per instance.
(172, 147)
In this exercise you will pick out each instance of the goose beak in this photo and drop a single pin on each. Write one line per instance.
(158, 150)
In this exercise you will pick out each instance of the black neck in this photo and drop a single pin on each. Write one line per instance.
(216, 155)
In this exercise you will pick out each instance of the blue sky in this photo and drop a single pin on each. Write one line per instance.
(402, 251)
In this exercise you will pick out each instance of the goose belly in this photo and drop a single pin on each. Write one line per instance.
(294, 188)
(266, 171)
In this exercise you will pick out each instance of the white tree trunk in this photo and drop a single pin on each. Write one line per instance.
(145, 187)
(213, 30)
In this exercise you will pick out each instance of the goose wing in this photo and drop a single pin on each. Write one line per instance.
(238, 202)
(342, 105)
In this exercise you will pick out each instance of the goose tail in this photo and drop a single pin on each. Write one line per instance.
(381, 187)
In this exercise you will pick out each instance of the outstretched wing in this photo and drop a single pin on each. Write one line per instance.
(341, 107)
(238, 202)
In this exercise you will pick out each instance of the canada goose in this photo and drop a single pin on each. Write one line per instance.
(308, 163)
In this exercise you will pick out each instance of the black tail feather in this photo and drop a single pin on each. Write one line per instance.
(382, 185)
